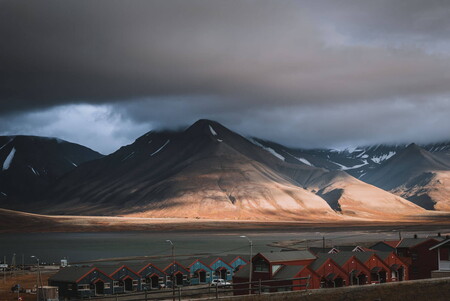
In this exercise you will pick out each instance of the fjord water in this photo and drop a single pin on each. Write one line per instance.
(78, 247)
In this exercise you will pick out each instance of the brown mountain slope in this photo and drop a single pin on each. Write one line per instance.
(418, 175)
(208, 171)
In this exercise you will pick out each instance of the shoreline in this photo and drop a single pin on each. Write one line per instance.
(22, 222)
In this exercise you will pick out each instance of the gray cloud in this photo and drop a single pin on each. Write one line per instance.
(341, 71)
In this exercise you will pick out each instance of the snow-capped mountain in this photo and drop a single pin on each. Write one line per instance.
(30, 164)
(208, 171)
(359, 162)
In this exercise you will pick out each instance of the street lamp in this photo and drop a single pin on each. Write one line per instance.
(173, 268)
(251, 264)
(38, 279)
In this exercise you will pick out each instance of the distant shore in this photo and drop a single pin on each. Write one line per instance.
(20, 222)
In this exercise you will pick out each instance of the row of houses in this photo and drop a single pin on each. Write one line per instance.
(386, 261)
(82, 282)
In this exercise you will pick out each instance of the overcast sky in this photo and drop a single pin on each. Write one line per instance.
(306, 73)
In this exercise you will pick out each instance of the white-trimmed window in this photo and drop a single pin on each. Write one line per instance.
(184, 277)
(143, 281)
(116, 283)
(228, 272)
(107, 285)
(167, 278)
(135, 282)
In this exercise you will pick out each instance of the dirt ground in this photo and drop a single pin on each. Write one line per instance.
(26, 279)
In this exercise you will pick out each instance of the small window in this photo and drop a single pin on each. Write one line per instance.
(228, 272)
(135, 282)
(143, 280)
(184, 277)
(261, 265)
(116, 283)
(167, 278)
(107, 285)
(208, 274)
(83, 287)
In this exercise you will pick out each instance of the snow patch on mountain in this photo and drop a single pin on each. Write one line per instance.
(213, 132)
(9, 159)
(382, 158)
(3, 193)
(159, 149)
(269, 149)
(343, 167)
(34, 171)
(303, 160)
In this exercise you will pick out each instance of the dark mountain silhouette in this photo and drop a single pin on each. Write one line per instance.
(29, 165)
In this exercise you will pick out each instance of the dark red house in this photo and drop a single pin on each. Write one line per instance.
(330, 273)
(358, 273)
(423, 260)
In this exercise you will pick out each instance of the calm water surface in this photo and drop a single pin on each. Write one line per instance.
(76, 247)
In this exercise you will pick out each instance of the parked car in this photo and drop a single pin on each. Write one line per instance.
(219, 283)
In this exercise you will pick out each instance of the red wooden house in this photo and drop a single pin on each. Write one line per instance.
(330, 273)
(379, 270)
(399, 265)
(358, 273)
(423, 260)
(274, 266)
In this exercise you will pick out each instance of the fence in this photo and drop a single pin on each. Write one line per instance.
(192, 292)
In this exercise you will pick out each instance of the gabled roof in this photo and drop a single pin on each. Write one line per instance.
(340, 258)
(74, 274)
(288, 256)
(411, 242)
(113, 269)
(70, 274)
(443, 243)
(392, 243)
(288, 271)
(316, 264)
(343, 248)
(232, 258)
(243, 272)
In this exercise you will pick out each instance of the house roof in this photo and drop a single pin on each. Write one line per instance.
(243, 272)
(443, 243)
(71, 274)
(340, 258)
(288, 271)
(411, 242)
(288, 256)
(110, 269)
(344, 248)
(316, 264)
(231, 258)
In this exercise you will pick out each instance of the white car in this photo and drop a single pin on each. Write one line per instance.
(219, 282)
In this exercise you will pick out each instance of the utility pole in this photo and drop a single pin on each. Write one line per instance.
(173, 268)
(323, 243)
(251, 265)
(38, 279)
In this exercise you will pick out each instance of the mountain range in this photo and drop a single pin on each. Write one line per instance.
(209, 171)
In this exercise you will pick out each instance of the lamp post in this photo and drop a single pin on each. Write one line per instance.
(251, 264)
(173, 268)
(38, 279)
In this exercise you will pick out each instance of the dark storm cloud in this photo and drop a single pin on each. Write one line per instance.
(307, 71)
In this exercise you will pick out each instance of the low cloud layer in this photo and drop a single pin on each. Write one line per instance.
(305, 73)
